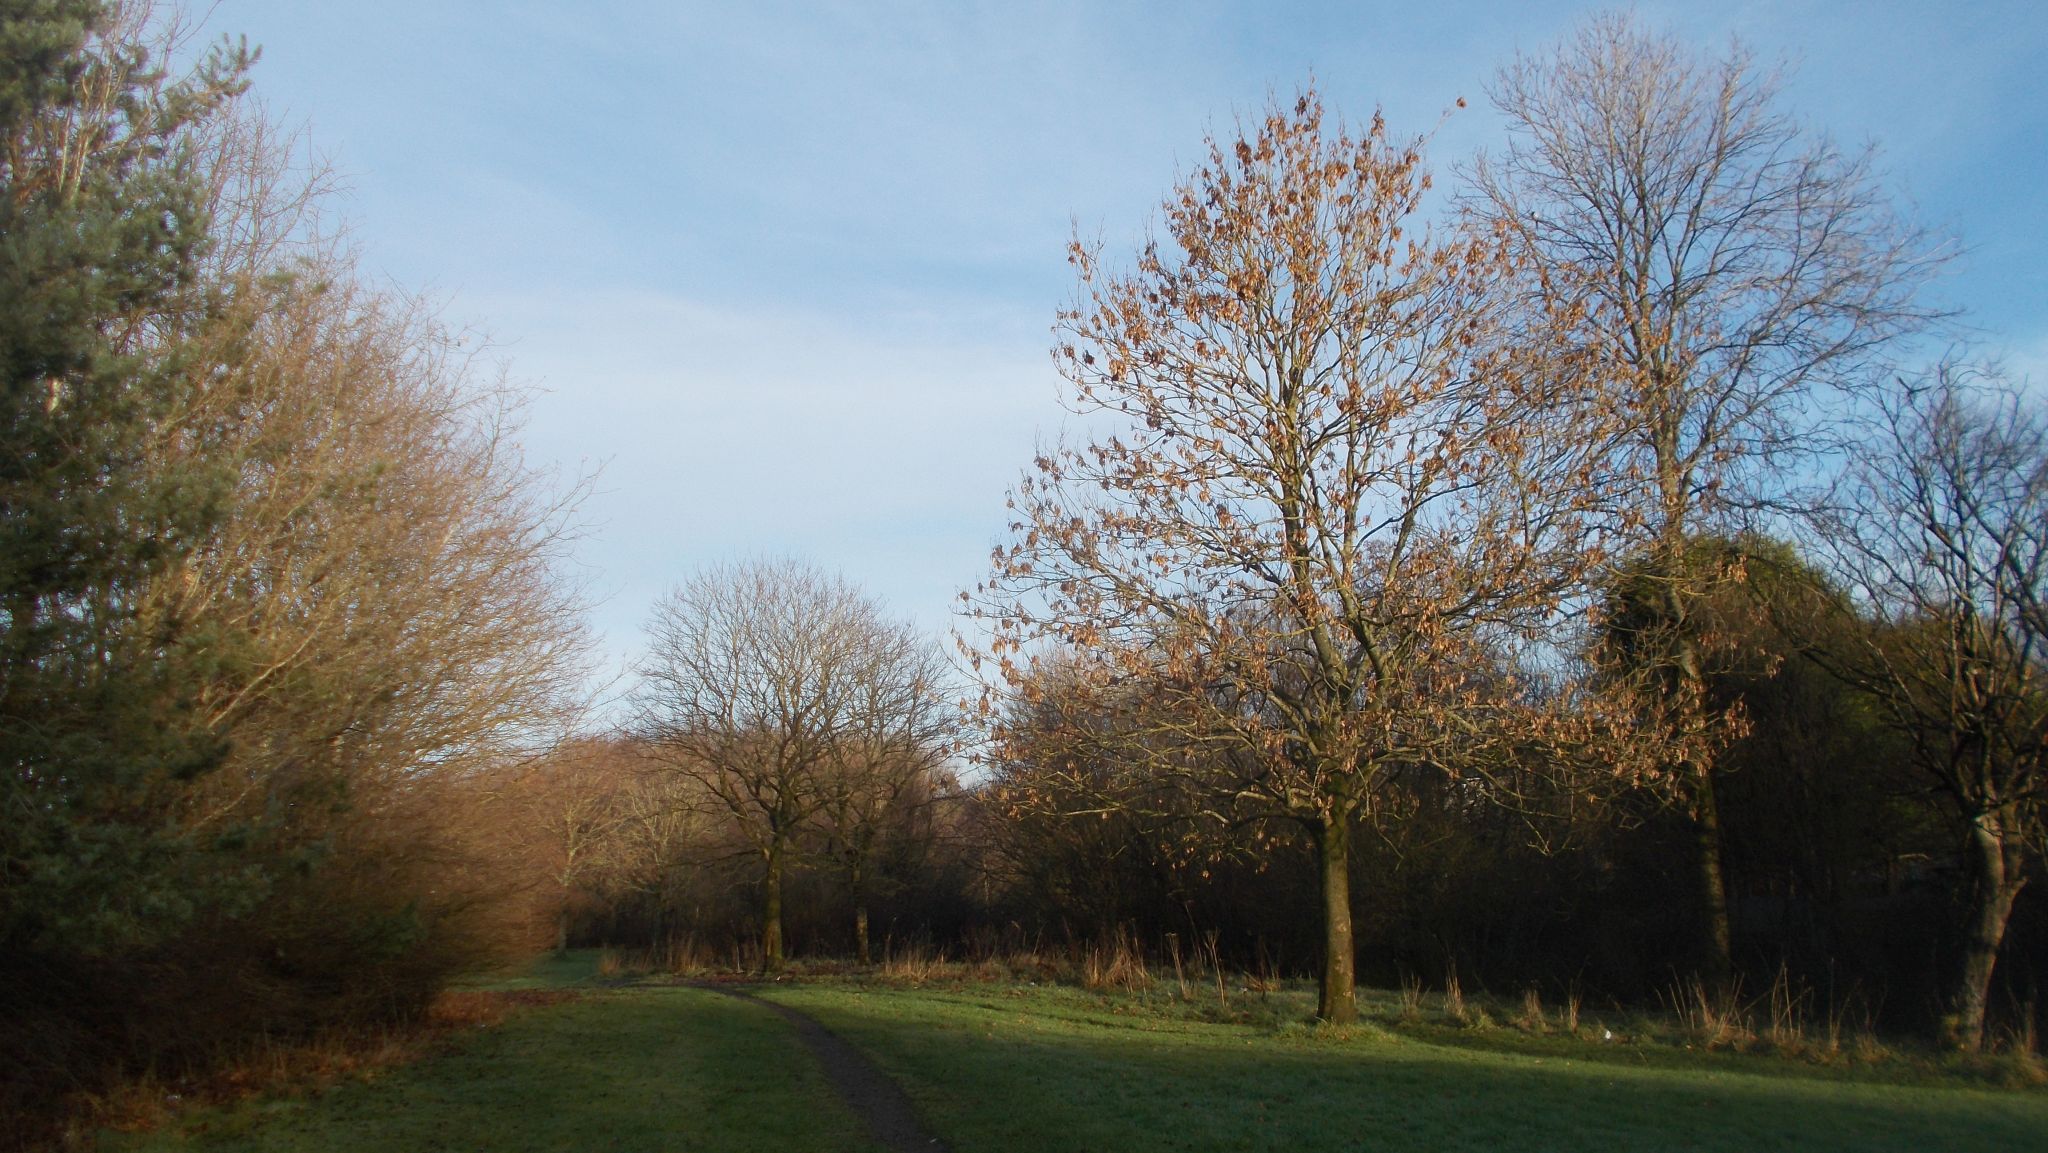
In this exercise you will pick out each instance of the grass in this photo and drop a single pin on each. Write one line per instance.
(580, 967)
(1035, 1068)
(1010, 1062)
(641, 1069)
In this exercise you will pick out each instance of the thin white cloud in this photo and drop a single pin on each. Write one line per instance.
(2027, 363)
(884, 449)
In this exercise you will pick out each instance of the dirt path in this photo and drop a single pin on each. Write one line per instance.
(868, 1091)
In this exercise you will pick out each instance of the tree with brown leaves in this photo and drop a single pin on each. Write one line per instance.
(1336, 487)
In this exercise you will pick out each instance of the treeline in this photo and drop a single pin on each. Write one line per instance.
(1844, 862)
(1576, 581)
(278, 599)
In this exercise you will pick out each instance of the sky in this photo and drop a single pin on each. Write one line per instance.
(783, 275)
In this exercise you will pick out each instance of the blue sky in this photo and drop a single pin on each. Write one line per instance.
(787, 271)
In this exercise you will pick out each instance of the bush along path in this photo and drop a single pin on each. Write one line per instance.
(870, 1093)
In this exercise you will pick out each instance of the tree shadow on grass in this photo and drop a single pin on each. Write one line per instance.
(645, 1070)
(990, 1077)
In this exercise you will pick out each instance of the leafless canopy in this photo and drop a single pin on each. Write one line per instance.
(1942, 530)
(1727, 263)
(1725, 274)
(790, 698)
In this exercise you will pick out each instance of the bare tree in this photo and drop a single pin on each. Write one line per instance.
(385, 583)
(578, 804)
(1942, 531)
(1726, 268)
(785, 694)
(1334, 491)
(887, 769)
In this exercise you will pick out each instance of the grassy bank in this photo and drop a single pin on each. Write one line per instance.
(1052, 1068)
(1015, 1065)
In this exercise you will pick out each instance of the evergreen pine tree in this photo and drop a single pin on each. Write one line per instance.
(102, 225)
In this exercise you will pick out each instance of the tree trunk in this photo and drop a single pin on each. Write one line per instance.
(1688, 691)
(1995, 882)
(1336, 1002)
(860, 915)
(771, 912)
(1720, 951)
(562, 930)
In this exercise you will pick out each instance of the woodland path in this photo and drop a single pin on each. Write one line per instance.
(872, 1094)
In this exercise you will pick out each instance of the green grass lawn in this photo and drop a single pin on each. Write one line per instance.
(577, 968)
(1002, 1067)
(637, 1069)
(1038, 1068)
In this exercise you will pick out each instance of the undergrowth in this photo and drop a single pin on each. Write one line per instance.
(294, 1067)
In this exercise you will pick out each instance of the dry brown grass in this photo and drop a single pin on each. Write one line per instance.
(1118, 963)
(296, 1067)
(916, 964)
(1455, 1006)
(1411, 998)
(1714, 1017)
